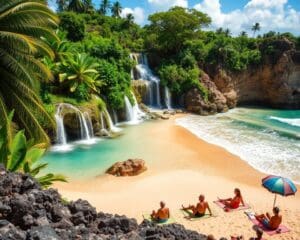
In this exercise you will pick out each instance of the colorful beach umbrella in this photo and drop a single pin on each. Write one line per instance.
(279, 185)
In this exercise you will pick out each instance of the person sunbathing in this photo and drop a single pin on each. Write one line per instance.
(200, 209)
(270, 222)
(162, 214)
(234, 202)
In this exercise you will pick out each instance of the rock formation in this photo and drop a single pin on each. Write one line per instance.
(29, 213)
(130, 167)
(274, 83)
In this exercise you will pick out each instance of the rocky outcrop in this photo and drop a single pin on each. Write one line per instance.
(29, 213)
(216, 102)
(274, 83)
(130, 167)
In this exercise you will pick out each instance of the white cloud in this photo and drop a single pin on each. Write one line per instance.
(166, 4)
(137, 12)
(272, 15)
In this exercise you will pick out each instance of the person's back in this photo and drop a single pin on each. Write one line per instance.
(163, 213)
(275, 221)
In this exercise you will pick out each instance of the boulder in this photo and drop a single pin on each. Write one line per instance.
(130, 167)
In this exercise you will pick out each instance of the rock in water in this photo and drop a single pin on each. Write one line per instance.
(131, 167)
(29, 213)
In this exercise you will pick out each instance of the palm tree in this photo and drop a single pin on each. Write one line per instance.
(255, 28)
(129, 18)
(22, 24)
(220, 30)
(227, 32)
(243, 34)
(79, 69)
(76, 6)
(61, 5)
(88, 6)
(116, 9)
(104, 6)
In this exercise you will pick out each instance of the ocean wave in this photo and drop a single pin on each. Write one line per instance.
(265, 150)
(290, 121)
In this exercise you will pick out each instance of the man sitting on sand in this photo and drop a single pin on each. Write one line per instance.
(234, 202)
(271, 223)
(162, 215)
(200, 209)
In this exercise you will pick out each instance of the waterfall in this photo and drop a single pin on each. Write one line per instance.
(168, 98)
(115, 116)
(61, 136)
(145, 73)
(111, 125)
(133, 113)
(102, 121)
(86, 127)
(89, 125)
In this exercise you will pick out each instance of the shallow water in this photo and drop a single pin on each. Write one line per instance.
(85, 160)
(269, 140)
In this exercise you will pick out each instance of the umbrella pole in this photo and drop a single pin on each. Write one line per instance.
(274, 200)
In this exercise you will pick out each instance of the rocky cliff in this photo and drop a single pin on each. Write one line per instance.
(275, 83)
(29, 213)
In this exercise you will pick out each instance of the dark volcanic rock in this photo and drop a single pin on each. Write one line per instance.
(29, 213)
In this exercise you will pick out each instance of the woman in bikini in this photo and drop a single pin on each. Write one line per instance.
(234, 203)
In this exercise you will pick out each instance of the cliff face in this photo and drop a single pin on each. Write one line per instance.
(275, 83)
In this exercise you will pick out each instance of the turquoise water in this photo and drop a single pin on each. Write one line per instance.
(86, 161)
(269, 140)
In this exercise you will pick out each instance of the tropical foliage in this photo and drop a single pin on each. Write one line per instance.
(22, 24)
(79, 70)
(18, 154)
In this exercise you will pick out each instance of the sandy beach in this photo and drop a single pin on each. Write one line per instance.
(186, 166)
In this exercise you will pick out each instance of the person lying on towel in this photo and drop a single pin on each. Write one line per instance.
(270, 222)
(200, 209)
(162, 214)
(234, 202)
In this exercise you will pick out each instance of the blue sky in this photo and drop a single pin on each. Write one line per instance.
(237, 15)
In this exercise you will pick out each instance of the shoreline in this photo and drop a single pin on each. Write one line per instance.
(195, 167)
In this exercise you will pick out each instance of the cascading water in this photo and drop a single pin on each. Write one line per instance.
(61, 136)
(111, 125)
(145, 73)
(133, 113)
(89, 125)
(86, 128)
(168, 98)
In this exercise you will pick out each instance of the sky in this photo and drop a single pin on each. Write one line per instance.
(237, 15)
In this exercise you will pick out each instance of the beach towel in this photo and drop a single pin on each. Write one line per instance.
(169, 221)
(226, 209)
(188, 215)
(281, 229)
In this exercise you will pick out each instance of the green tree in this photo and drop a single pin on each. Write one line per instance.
(104, 7)
(255, 28)
(116, 9)
(243, 34)
(22, 24)
(76, 6)
(176, 26)
(79, 70)
(73, 24)
(129, 19)
(19, 155)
